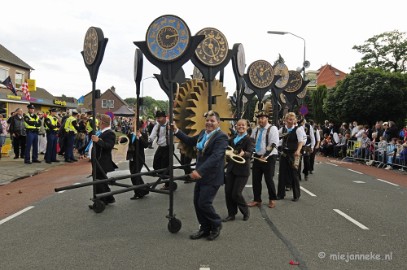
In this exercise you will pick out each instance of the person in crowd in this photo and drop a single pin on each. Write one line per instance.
(71, 129)
(161, 155)
(138, 141)
(150, 127)
(340, 148)
(103, 162)
(211, 144)
(42, 139)
(390, 153)
(32, 124)
(3, 131)
(327, 146)
(237, 174)
(379, 130)
(18, 133)
(293, 139)
(317, 135)
(266, 139)
(52, 125)
(62, 136)
(307, 148)
(81, 137)
(363, 151)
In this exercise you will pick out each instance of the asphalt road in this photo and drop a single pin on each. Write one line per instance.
(345, 219)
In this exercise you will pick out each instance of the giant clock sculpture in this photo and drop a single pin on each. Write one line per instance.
(168, 38)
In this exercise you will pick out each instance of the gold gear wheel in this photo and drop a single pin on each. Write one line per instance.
(190, 105)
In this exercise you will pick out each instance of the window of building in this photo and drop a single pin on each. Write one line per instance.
(19, 79)
(106, 103)
(3, 73)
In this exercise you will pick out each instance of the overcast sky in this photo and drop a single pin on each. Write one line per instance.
(49, 34)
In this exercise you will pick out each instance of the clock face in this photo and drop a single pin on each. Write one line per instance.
(241, 61)
(261, 73)
(213, 50)
(294, 82)
(91, 46)
(168, 38)
(282, 70)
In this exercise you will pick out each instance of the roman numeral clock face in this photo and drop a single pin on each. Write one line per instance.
(90, 46)
(168, 38)
(261, 73)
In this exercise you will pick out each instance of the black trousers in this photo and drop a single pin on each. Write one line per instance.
(288, 175)
(162, 159)
(307, 163)
(267, 169)
(19, 145)
(234, 185)
(203, 203)
(135, 167)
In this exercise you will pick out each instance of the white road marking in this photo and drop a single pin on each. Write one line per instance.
(359, 182)
(354, 171)
(62, 191)
(307, 191)
(249, 186)
(15, 215)
(357, 223)
(329, 163)
(390, 183)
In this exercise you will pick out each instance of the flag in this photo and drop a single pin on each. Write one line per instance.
(24, 88)
(81, 100)
(7, 82)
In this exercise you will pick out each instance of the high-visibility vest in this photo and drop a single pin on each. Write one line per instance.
(29, 127)
(54, 122)
(69, 126)
(89, 125)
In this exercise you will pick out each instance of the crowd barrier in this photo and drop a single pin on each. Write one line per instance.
(376, 154)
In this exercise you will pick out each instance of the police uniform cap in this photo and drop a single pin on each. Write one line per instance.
(261, 114)
(30, 106)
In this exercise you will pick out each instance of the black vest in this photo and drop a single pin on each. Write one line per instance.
(290, 142)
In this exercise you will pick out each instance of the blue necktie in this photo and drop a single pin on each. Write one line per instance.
(258, 143)
(133, 138)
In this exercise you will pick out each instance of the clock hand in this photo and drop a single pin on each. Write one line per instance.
(171, 36)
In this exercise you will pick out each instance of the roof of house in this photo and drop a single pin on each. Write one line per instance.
(329, 76)
(11, 58)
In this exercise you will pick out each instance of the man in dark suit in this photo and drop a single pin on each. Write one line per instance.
(103, 162)
(211, 144)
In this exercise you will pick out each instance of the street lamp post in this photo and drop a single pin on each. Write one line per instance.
(285, 33)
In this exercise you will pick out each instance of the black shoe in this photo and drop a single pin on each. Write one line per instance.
(109, 201)
(228, 218)
(214, 233)
(68, 161)
(27, 162)
(136, 197)
(246, 217)
(295, 199)
(36, 161)
(16, 157)
(48, 162)
(310, 172)
(279, 198)
(74, 160)
(306, 178)
(199, 234)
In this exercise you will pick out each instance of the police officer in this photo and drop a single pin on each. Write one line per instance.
(52, 126)
(71, 128)
(32, 124)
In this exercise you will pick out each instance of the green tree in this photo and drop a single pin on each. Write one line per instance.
(317, 101)
(368, 95)
(131, 101)
(387, 51)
